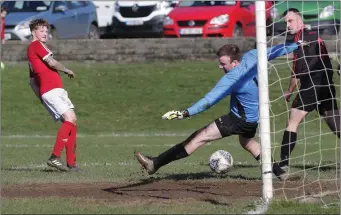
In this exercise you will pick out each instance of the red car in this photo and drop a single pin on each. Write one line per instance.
(213, 19)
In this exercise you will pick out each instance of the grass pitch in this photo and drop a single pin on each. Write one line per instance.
(119, 109)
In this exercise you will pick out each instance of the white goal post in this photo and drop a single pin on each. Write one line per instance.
(264, 116)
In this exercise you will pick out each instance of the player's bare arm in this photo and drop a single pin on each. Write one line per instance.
(59, 66)
(294, 82)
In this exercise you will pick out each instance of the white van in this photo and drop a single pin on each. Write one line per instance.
(138, 18)
(105, 12)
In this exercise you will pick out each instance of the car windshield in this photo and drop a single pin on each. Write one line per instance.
(26, 6)
(205, 3)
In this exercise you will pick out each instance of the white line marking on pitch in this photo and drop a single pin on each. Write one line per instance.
(156, 134)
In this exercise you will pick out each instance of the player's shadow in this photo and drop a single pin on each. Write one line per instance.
(28, 169)
(208, 174)
(161, 192)
(205, 175)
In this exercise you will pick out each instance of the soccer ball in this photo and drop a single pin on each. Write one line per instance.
(221, 161)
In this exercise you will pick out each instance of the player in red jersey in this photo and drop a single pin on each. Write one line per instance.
(2, 17)
(47, 85)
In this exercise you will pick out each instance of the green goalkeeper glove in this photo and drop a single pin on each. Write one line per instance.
(175, 114)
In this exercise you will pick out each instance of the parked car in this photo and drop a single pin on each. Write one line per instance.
(105, 13)
(212, 19)
(68, 19)
(323, 16)
(138, 18)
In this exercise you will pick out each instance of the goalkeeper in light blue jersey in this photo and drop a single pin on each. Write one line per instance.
(240, 82)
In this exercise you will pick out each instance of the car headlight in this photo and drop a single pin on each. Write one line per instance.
(24, 25)
(159, 6)
(168, 21)
(327, 11)
(220, 20)
(162, 5)
(274, 12)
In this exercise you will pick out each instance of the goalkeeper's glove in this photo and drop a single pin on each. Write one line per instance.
(175, 114)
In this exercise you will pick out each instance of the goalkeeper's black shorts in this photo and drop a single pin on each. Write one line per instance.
(316, 98)
(230, 124)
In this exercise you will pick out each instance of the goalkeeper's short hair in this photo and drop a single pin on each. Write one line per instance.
(230, 50)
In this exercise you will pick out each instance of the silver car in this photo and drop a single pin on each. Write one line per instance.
(68, 19)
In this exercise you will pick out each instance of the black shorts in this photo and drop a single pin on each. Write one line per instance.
(230, 124)
(316, 98)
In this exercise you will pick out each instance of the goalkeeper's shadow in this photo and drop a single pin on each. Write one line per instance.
(205, 176)
(232, 174)
(158, 177)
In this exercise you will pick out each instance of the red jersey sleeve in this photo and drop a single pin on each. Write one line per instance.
(42, 51)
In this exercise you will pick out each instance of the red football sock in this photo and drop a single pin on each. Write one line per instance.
(71, 147)
(62, 137)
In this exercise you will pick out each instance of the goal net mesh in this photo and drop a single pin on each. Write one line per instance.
(314, 163)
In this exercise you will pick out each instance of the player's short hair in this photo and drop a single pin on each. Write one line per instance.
(3, 9)
(38, 22)
(230, 50)
(294, 10)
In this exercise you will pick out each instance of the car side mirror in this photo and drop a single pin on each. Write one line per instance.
(60, 8)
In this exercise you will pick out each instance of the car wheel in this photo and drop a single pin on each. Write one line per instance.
(237, 31)
(53, 34)
(93, 33)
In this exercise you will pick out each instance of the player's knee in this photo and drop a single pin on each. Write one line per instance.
(292, 126)
(70, 116)
(74, 119)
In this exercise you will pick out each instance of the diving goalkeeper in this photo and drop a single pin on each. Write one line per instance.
(240, 81)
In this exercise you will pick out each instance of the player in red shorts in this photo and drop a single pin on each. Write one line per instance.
(47, 85)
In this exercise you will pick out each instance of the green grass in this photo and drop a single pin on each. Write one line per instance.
(119, 109)
(87, 206)
(291, 207)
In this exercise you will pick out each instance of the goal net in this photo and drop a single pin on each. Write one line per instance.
(313, 173)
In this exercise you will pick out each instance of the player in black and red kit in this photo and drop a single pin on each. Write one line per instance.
(312, 70)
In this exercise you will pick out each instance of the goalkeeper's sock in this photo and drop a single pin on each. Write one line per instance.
(71, 147)
(175, 153)
(288, 145)
(258, 159)
(62, 138)
(276, 169)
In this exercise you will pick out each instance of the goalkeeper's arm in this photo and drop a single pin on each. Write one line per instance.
(282, 49)
(222, 89)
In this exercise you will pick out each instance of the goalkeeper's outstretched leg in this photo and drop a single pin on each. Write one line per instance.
(222, 127)
(240, 80)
